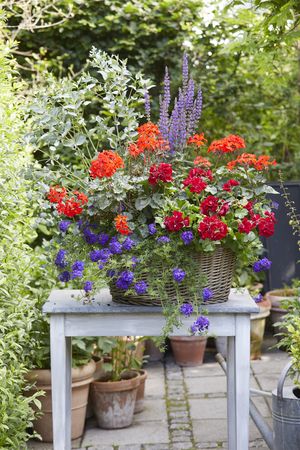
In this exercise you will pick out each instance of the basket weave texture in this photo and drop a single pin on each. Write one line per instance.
(217, 267)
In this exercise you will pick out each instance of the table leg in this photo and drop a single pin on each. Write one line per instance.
(61, 360)
(239, 385)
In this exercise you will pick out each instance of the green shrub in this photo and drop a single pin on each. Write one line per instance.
(19, 263)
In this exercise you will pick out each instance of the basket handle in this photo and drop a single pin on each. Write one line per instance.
(282, 379)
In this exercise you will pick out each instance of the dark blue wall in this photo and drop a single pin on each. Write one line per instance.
(282, 248)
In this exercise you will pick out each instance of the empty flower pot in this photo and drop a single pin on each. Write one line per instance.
(188, 350)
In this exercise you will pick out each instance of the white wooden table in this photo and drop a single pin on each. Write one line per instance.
(70, 317)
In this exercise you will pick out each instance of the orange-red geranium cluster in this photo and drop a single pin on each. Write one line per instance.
(69, 206)
(106, 164)
(249, 159)
(227, 145)
(122, 225)
(197, 139)
(149, 139)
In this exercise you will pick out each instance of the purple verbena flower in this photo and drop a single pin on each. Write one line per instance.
(64, 276)
(141, 287)
(103, 238)
(64, 225)
(186, 309)
(104, 254)
(128, 244)
(152, 228)
(258, 298)
(78, 265)
(187, 237)
(207, 294)
(124, 280)
(200, 325)
(90, 237)
(115, 247)
(163, 239)
(88, 286)
(178, 275)
(60, 259)
(262, 264)
(76, 274)
(274, 204)
(95, 255)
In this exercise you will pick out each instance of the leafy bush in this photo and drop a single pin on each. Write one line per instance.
(19, 263)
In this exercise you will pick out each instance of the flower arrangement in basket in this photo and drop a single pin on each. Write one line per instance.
(161, 216)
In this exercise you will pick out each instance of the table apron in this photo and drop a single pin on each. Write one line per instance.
(140, 325)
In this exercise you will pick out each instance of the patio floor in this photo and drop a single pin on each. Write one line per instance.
(185, 408)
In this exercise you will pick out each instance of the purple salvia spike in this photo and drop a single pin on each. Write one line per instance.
(185, 71)
(167, 90)
(163, 123)
(181, 137)
(189, 98)
(147, 106)
(174, 127)
(198, 110)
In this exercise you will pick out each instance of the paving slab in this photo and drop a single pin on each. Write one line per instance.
(34, 444)
(154, 409)
(139, 433)
(155, 387)
(211, 385)
(205, 370)
(154, 369)
(270, 363)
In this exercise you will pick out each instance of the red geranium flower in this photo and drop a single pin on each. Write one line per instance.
(56, 194)
(197, 139)
(266, 225)
(162, 172)
(149, 139)
(209, 205)
(227, 145)
(122, 225)
(229, 184)
(198, 172)
(200, 161)
(212, 228)
(176, 221)
(196, 184)
(246, 226)
(223, 210)
(71, 207)
(106, 164)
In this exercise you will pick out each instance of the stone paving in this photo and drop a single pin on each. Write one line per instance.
(185, 409)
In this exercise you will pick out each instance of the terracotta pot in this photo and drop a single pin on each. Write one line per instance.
(97, 374)
(114, 401)
(139, 351)
(81, 379)
(258, 325)
(152, 351)
(277, 313)
(188, 350)
(139, 403)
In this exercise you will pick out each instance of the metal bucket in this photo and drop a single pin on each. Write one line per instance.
(286, 415)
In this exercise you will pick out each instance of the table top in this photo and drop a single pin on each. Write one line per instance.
(70, 301)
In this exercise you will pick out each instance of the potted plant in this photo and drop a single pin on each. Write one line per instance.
(162, 216)
(39, 380)
(278, 298)
(114, 394)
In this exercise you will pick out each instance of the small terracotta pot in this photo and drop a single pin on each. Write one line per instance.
(139, 403)
(114, 401)
(81, 379)
(188, 350)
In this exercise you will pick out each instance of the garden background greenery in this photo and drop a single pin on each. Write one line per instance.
(245, 54)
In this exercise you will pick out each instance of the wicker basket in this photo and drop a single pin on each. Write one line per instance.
(217, 267)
